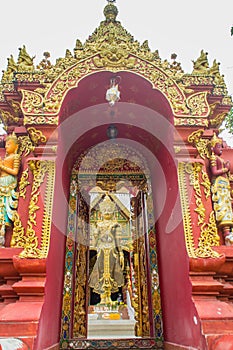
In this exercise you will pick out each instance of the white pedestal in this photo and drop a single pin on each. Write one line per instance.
(107, 329)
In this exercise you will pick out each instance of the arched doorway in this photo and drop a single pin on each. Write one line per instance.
(111, 285)
(144, 118)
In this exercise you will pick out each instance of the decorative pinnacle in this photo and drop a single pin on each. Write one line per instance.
(110, 11)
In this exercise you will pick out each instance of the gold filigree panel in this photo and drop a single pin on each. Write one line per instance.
(191, 175)
(49, 104)
(28, 239)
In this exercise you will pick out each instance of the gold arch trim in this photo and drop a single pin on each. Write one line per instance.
(50, 101)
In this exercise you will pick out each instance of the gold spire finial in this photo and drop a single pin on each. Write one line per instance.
(110, 11)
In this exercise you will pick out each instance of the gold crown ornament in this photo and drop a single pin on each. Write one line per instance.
(214, 140)
(13, 137)
(110, 12)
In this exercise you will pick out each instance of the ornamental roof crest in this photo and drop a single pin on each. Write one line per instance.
(111, 47)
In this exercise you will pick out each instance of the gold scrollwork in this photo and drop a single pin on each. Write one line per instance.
(206, 184)
(50, 103)
(198, 104)
(208, 238)
(80, 295)
(209, 234)
(218, 120)
(194, 169)
(18, 236)
(32, 100)
(191, 121)
(40, 120)
(7, 118)
(47, 215)
(23, 183)
(31, 250)
(200, 143)
(36, 135)
(26, 146)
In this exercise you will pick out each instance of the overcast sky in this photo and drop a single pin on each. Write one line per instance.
(180, 26)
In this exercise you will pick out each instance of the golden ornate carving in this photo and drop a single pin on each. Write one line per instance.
(40, 120)
(220, 91)
(33, 101)
(49, 104)
(209, 238)
(144, 290)
(111, 47)
(36, 135)
(24, 64)
(201, 65)
(189, 80)
(23, 183)
(31, 250)
(31, 247)
(7, 118)
(194, 169)
(18, 237)
(209, 235)
(206, 184)
(198, 104)
(191, 121)
(16, 107)
(218, 120)
(80, 329)
(47, 214)
(80, 315)
(200, 143)
(227, 100)
(140, 296)
(26, 146)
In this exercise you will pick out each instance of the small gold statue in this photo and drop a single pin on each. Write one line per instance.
(9, 169)
(218, 78)
(12, 67)
(25, 62)
(107, 274)
(201, 65)
(221, 190)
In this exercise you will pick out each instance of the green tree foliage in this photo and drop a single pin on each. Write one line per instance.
(229, 121)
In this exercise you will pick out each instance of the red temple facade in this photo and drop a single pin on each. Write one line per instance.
(113, 137)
